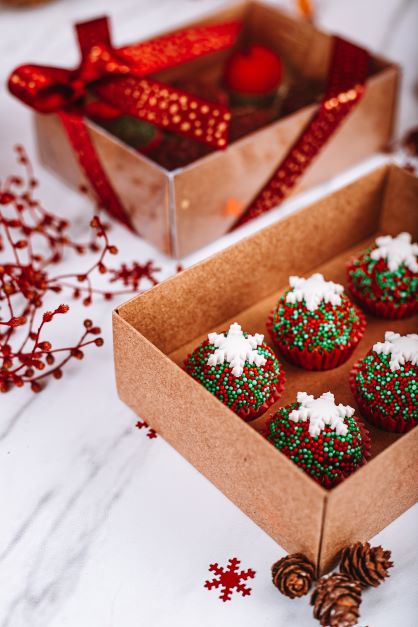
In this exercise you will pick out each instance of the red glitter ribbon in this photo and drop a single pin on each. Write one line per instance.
(346, 85)
(79, 138)
(119, 78)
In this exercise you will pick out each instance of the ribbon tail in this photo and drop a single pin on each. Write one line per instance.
(346, 84)
(92, 33)
(85, 152)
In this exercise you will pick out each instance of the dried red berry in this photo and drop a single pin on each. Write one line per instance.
(45, 346)
(17, 321)
(27, 279)
(6, 198)
(47, 317)
(77, 353)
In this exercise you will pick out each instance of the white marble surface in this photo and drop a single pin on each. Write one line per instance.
(100, 526)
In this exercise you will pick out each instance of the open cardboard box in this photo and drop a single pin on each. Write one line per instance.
(155, 331)
(182, 210)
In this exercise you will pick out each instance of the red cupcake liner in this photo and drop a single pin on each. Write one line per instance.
(382, 309)
(248, 413)
(313, 360)
(394, 424)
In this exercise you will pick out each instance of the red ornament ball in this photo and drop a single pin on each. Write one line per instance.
(255, 70)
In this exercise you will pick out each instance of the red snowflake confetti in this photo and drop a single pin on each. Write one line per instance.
(151, 433)
(230, 579)
(34, 241)
(131, 276)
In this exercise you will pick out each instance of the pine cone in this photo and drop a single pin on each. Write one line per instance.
(336, 600)
(293, 575)
(366, 564)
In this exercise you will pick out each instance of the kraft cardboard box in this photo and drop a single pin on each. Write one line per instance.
(155, 331)
(184, 209)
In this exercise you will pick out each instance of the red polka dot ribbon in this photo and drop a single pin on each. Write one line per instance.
(346, 85)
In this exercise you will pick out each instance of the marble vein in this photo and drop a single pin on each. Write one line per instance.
(64, 551)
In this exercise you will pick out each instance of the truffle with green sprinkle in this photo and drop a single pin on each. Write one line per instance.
(314, 324)
(384, 279)
(322, 438)
(239, 369)
(385, 383)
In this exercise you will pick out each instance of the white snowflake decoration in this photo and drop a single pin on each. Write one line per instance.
(396, 251)
(320, 412)
(401, 348)
(236, 349)
(313, 291)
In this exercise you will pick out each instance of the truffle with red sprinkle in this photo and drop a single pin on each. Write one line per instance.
(322, 438)
(385, 383)
(315, 325)
(239, 369)
(384, 279)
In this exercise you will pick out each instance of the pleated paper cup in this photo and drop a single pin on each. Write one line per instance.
(395, 424)
(316, 360)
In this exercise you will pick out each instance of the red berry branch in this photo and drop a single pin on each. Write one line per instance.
(34, 241)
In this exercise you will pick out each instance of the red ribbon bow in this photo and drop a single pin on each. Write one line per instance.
(119, 79)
